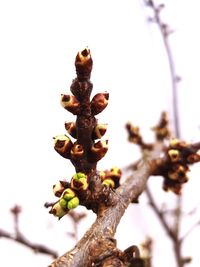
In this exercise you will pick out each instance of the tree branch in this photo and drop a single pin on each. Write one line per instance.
(98, 242)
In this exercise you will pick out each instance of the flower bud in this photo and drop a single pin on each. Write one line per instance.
(70, 103)
(98, 150)
(193, 158)
(102, 175)
(57, 210)
(174, 155)
(115, 174)
(58, 188)
(83, 64)
(99, 131)
(109, 182)
(71, 128)
(79, 181)
(99, 103)
(73, 203)
(63, 203)
(77, 151)
(68, 194)
(63, 145)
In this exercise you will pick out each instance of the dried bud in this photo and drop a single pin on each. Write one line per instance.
(109, 182)
(99, 131)
(68, 194)
(99, 103)
(79, 181)
(70, 103)
(58, 188)
(98, 150)
(73, 203)
(63, 145)
(57, 210)
(71, 128)
(174, 155)
(77, 151)
(83, 64)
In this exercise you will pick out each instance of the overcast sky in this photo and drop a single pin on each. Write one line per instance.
(39, 41)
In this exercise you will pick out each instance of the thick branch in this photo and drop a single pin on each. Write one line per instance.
(98, 242)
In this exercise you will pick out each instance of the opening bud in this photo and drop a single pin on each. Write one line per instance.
(99, 103)
(70, 103)
(79, 181)
(109, 182)
(99, 131)
(98, 150)
(57, 210)
(83, 64)
(73, 203)
(71, 128)
(77, 151)
(63, 145)
(174, 155)
(68, 194)
(58, 188)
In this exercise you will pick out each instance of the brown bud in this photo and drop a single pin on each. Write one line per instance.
(83, 64)
(172, 186)
(115, 174)
(70, 103)
(99, 131)
(99, 103)
(63, 145)
(58, 188)
(71, 128)
(79, 181)
(98, 150)
(77, 151)
(193, 158)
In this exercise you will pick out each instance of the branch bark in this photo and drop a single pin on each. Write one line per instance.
(98, 242)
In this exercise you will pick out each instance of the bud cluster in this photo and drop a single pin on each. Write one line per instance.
(111, 177)
(68, 194)
(161, 129)
(87, 149)
(174, 166)
(179, 155)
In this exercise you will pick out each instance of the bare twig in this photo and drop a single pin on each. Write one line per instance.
(18, 237)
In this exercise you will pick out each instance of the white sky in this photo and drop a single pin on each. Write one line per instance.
(39, 41)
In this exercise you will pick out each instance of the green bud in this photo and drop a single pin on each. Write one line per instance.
(73, 203)
(57, 210)
(79, 175)
(68, 194)
(63, 203)
(109, 182)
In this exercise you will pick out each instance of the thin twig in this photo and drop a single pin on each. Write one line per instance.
(190, 230)
(19, 238)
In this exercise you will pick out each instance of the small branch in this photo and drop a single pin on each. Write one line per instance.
(37, 248)
(165, 32)
(159, 214)
(190, 231)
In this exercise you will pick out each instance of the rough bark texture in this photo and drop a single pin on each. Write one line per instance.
(98, 243)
